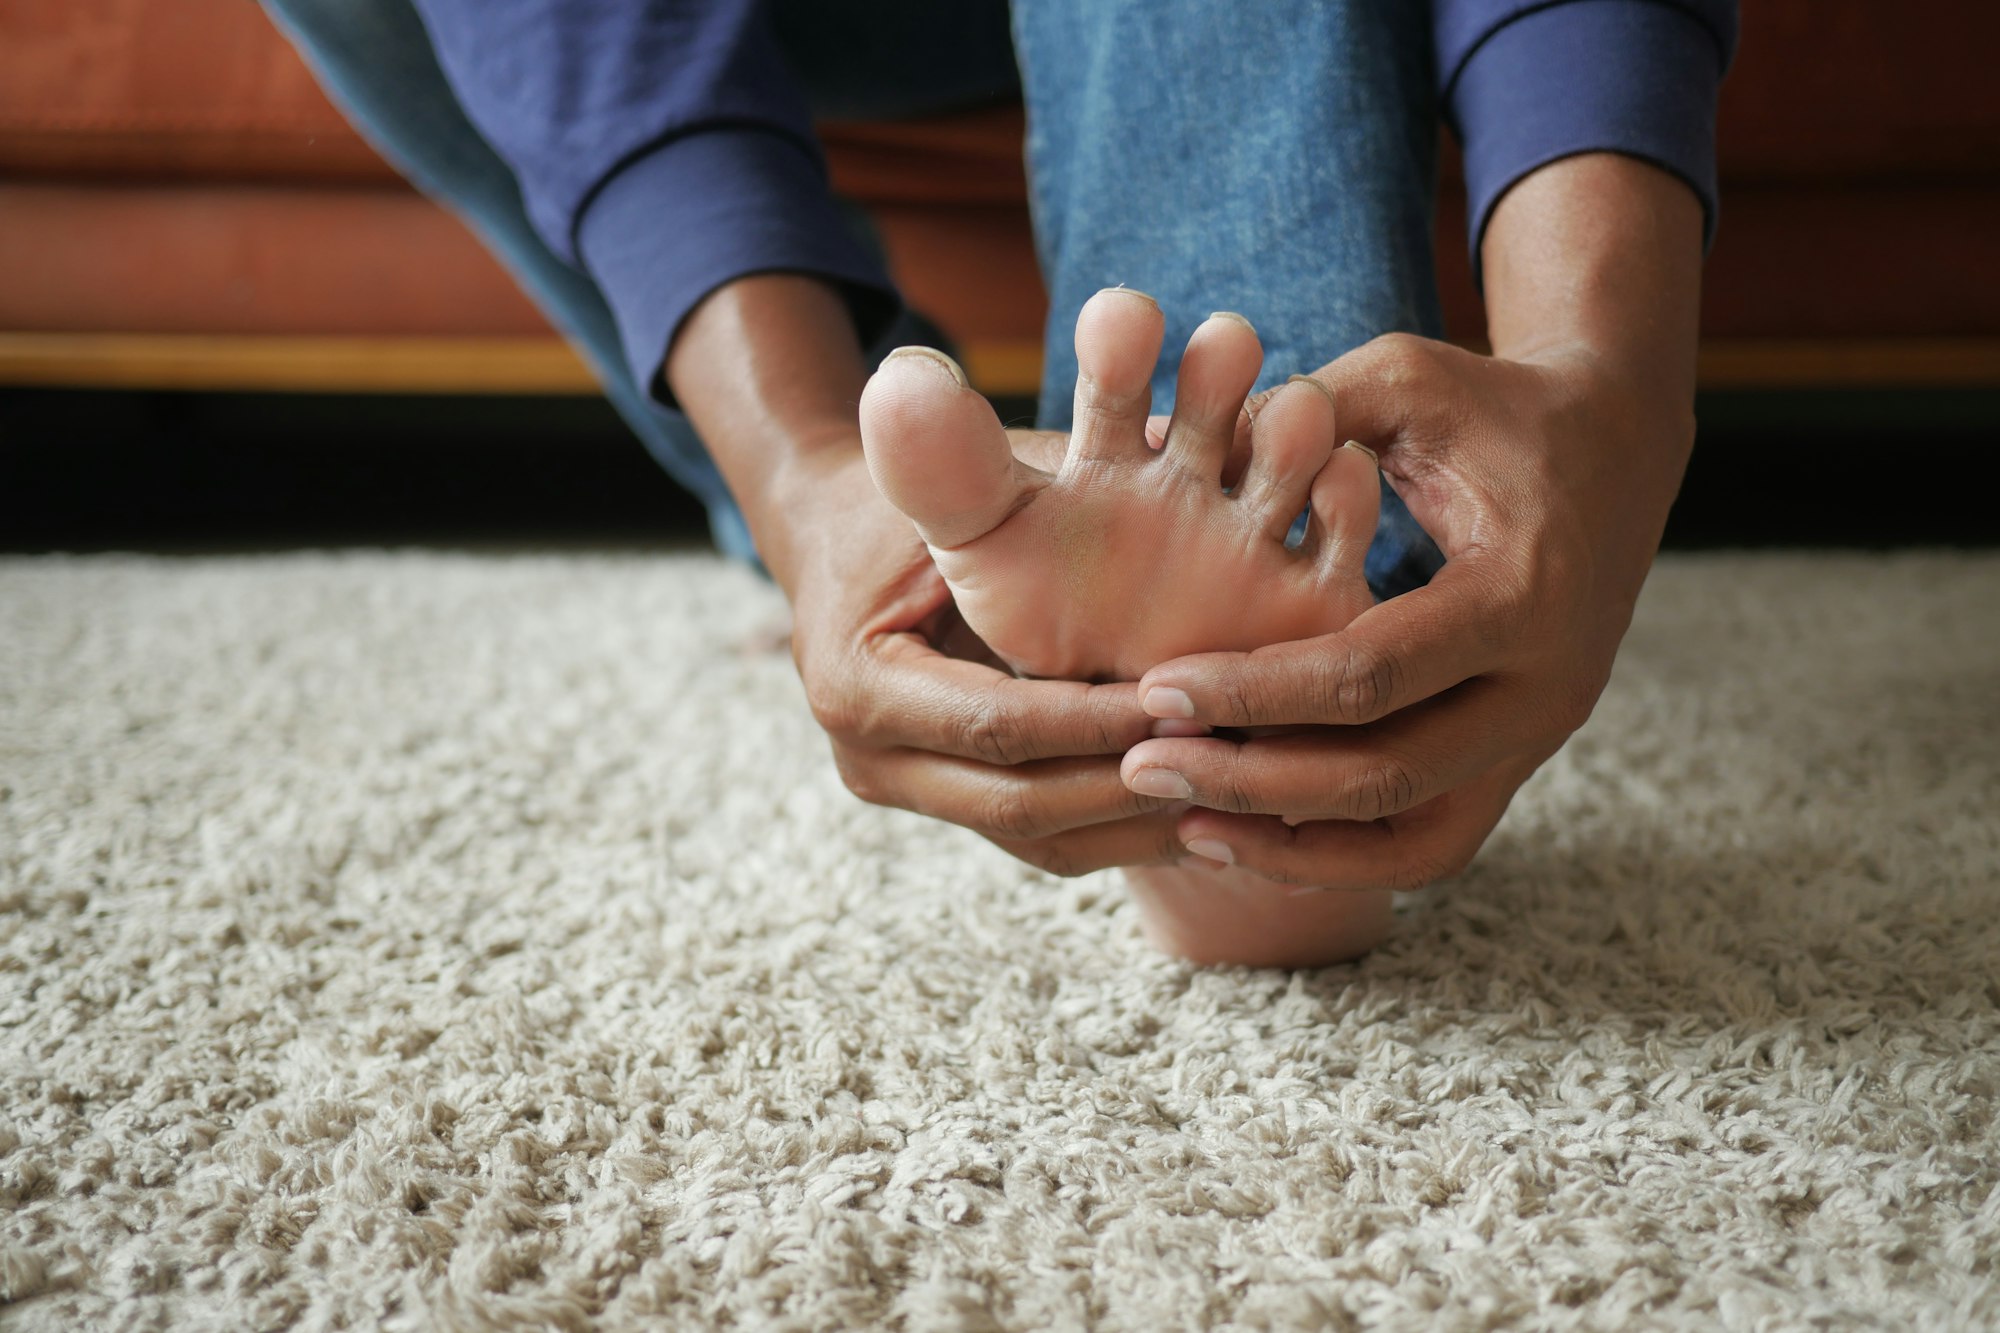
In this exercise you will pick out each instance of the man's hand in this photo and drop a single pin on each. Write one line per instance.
(1545, 472)
(919, 714)
(923, 718)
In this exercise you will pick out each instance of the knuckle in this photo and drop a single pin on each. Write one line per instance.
(1382, 790)
(993, 731)
(1108, 730)
(1098, 726)
(1064, 865)
(1049, 855)
(1230, 794)
(1238, 703)
(1398, 360)
(858, 778)
(1011, 814)
(1359, 686)
(832, 706)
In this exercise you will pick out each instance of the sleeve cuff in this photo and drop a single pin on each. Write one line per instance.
(709, 207)
(1622, 76)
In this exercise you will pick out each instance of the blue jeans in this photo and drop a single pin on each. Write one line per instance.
(1273, 160)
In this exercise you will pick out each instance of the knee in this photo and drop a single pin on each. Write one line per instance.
(348, 23)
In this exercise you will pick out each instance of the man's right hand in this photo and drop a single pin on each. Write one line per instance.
(922, 717)
(920, 714)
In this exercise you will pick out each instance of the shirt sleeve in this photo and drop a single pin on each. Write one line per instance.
(662, 147)
(1525, 82)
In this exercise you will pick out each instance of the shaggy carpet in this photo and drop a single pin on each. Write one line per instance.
(442, 941)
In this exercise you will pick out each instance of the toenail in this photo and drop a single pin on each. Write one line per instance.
(1165, 701)
(1307, 379)
(1231, 314)
(1373, 457)
(934, 355)
(1161, 782)
(1212, 849)
(1122, 290)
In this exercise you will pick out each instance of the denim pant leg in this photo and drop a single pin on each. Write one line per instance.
(375, 59)
(1273, 159)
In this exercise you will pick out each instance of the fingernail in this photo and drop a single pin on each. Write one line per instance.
(1302, 890)
(1231, 314)
(1373, 457)
(931, 354)
(1123, 290)
(1168, 727)
(1212, 849)
(1165, 701)
(1307, 379)
(1160, 782)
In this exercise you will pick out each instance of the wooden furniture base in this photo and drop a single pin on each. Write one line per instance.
(530, 365)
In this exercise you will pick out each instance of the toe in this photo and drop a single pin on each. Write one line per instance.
(1216, 374)
(936, 450)
(1290, 443)
(1346, 502)
(1118, 336)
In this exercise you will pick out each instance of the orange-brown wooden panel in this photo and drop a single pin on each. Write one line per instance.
(246, 259)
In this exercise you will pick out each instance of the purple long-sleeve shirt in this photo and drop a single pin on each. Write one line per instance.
(663, 147)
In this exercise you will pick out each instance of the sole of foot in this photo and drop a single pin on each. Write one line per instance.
(1129, 554)
(1230, 916)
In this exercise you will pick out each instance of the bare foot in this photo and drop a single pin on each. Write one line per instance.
(1126, 556)
(1226, 915)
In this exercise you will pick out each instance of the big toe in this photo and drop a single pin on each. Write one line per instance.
(935, 449)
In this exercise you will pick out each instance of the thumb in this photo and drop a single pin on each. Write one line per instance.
(1375, 390)
(1396, 395)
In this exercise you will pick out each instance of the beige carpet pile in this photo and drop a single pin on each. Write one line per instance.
(456, 941)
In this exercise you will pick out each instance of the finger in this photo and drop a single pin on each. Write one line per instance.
(1392, 655)
(1216, 372)
(936, 450)
(1021, 803)
(1381, 387)
(951, 706)
(1118, 335)
(1339, 773)
(1140, 841)
(1429, 843)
